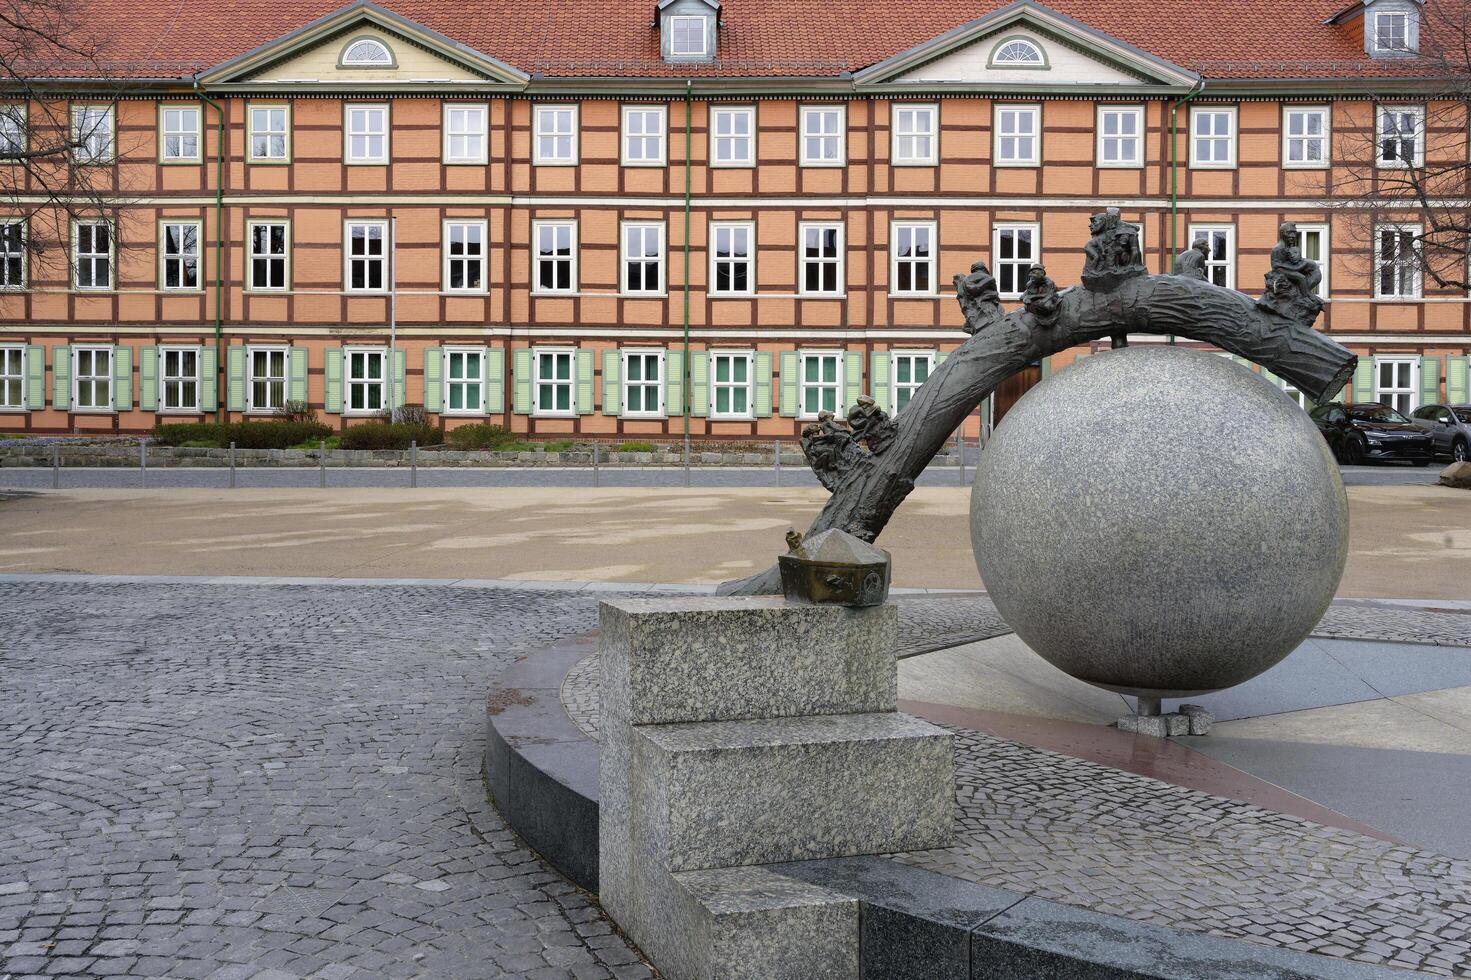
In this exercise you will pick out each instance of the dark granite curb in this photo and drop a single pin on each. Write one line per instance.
(542, 771)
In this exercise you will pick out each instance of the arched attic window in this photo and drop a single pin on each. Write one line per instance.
(1017, 52)
(367, 52)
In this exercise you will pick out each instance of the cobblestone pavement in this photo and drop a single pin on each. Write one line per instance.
(1071, 831)
(1366, 621)
(271, 782)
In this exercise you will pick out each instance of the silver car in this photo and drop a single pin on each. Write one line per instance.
(1449, 427)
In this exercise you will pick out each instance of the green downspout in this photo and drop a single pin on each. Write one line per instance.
(222, 390)
(1175, 171)
(689, 111)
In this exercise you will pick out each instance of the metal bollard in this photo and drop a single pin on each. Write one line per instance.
(686, 462)
(960, 448)
(232, 466)
(322, 463)
(143, 462)
(596, 480)
(776, 459)
(414, 463)
(55, 466)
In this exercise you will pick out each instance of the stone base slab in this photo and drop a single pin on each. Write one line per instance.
(1191, 719)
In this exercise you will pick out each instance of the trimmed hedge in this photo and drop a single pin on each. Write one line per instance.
(388, 435)
(481, 435)
(245, 435)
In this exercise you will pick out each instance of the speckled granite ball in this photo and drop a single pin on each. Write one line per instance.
(1160, 521)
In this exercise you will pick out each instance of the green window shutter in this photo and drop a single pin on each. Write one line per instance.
(1364, 380)
(297, 374)
(433, 379)
(700, 383)
(61, 376)
(148, 379)
(612, 389)
(235, 357)
(332, 380)
(852, 380)
(584, 382)
(940, 357)
(35, 377)
(209, 380)
(1458, 380)
(761, 380)
(521, 362)
(400, 376)
(674, 383)
(1047, 367)
(789, 380)
(878, 374)
(1429, 380)
(495, 380)
(122, 378)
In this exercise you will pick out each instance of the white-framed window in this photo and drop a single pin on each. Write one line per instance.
(1305, 137)
(92, 379)
(821, 385)
(916, 135)
(178, 379)
(732, 136)
(1014, 250)
(912, 258)
(464, 256)
(270, 133)
(687, 37)
(92, 254)
(92, 133)
(908, 370)
(367, 52)
(554, 381)
(1312, 241)
(732, 258)
(643, 258)
(1397, 383)
(366, 257)
(266, 367)
(367, 134)
(366, 377)
(1213, 137)
(1018, 143)
(730, 385)
(464, 381)
(269, 258)
(12, 378)
(13, 254)
(820, 261)
(12, 129)
(1120, 136)
(1017, 52)
(555, 136)
(1220, 258)
(556, 257)
(1391, 31)
(643, 383)
(1401, 134)
(824, 136)
(178, 127)
(1396, 262)
(180, 255)
(466, 130)
(643, 135)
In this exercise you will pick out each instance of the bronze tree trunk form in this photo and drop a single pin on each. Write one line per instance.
(867, 495)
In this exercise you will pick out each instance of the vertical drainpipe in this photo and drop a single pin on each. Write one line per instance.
(689, 108)
(1175, 172)
(221, 369)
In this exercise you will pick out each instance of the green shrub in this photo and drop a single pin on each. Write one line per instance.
(558, 445)
(389, 435)
(245, 435)
(481, 435)
(637, 447)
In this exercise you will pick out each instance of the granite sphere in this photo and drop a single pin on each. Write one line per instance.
(1159, 521)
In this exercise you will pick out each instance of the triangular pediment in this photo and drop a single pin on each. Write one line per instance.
(317, 54)
(1022, 46)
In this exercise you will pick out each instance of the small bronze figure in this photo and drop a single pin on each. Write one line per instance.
(1040, 298)
(871, 425)
(830, 449)
(1190, 264)
(980, 301)
(1292, 285)
(1112, 254)
(794, 539)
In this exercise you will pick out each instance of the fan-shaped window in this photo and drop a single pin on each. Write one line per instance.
(366, 52)
(1018, 52)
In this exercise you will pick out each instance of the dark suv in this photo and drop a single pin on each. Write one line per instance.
(1365, 431)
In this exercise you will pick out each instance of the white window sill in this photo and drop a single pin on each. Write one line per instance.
(642, 164)
(1306, 166)
(914, 163)
(731, 418)
(561, 294)
(182, 290)
(365, 163)
(464, 163)
(13, 410)
(93, 411)
(644, 416)
(463, 292)
(269, 161)
(97, 290)
(460, 413)
(554, 415)
(1017, 164)
(1120, 166)
(661, 295)
(175, 161)
(843, 295)
(554, 163)
(733, 166)
(823, 164)
(177, 411)
(1212, 166)
(914, 295)
(746, 295)
(365, 292)
(267, 291)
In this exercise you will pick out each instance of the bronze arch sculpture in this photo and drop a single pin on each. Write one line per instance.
(1118, 297)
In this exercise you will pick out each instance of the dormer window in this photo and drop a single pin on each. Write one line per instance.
(687, 37)
(367, 52)
(1392, 32)
(687, 29)
(1017, 52)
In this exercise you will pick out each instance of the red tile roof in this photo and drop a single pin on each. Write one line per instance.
(768, 38)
